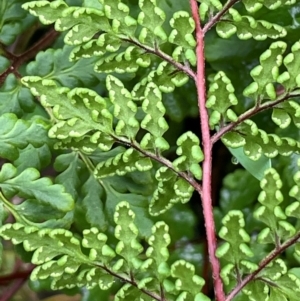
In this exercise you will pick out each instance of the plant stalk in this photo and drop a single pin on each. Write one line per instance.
(207, 163)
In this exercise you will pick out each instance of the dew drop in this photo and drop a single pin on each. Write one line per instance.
(234, 161)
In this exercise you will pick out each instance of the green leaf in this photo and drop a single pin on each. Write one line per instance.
(130, 293)
(118, 12)
(254, 5)
(17, 134)
(128, 61)
(14, 20)
(190, 154)
(48, 12)
(186, 280)
(182, 35)
(154, 121)
(157, 252)
(266, 73)
(128, 161)
(84, 188)
(52, 64)
(36, 157)
(39, 192)
(96, 242)
(124, 108)
(166, 77)
(257, 142)
(270, 213)
(294, 208)
(14, 98)
(290, 78)
(58, 254)
(89, 115)
(126, 232)
(257, 291)
(170, 191)
(220, 98)
(236, 248)
(151, 18)
(286, 112)
(117, 191)
(255, 168)
(247, 27)
(92, 203)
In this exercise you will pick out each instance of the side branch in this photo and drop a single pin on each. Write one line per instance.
(156, 51)
(216, 18)
(17, 61)
(207, 163)
(133, 283)
(165, 162)
(248, 114)
(271, 256)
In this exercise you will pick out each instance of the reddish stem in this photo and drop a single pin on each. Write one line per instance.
(207, 163)
(268, 259)
(20, 278)
(216, 18)
(19, 60)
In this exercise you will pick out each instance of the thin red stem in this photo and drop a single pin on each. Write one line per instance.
(216, 18)
(19, 60)
(20, 277)
(207, 163)
(269, 258)
(251, 112)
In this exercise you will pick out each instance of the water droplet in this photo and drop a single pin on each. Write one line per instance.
(234, 161)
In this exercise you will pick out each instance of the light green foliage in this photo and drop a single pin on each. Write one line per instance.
(246, 27)
(118, 12)
(90, 108)
(91, 261)
(126, 232)
(151, 18)
(14, 20)
(220, 98)
(172, 189)
(166, 77)
(187, 282)
(293, 209)
(14, 98)
(257, 142)
(48, 12)
(43, 199)
(236, 250)
(183, 26)
(128, 61)
(284, 284)
(253, 6)
(154, 121)
(128, 161)
(118, 34)
(16, 134)
(208, 6)
(52, 64)
(124, 108)
(157, 261)
(270, 61)
(105, 112)
(189, 142)
(164, 196)
(275, 280)
(284, 113)
(270, 213)
(291, 78)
